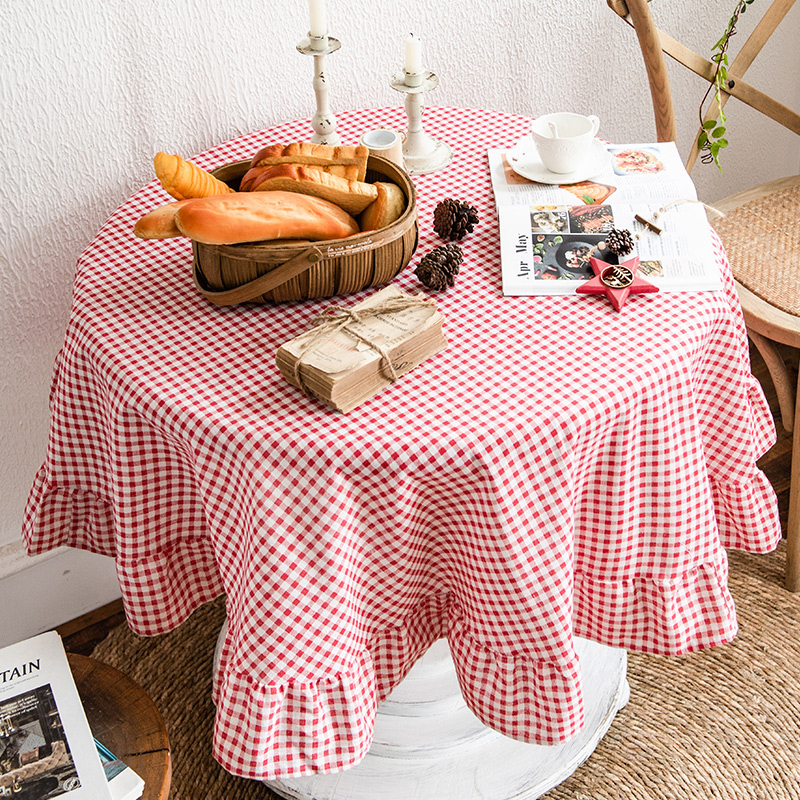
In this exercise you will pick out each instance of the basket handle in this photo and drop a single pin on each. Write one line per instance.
(260, 285)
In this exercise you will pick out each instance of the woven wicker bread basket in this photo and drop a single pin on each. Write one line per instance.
(285, 271)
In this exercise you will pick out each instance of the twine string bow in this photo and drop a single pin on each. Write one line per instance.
(336, 318)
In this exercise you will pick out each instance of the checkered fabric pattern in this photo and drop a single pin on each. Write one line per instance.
(561, 469)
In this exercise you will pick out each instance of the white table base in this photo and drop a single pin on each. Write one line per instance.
(428, 744)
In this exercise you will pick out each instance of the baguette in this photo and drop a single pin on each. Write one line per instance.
(352, 196)
(257, 216)
(183, 180)
(389, 205)
(315, 155)
(160, 222)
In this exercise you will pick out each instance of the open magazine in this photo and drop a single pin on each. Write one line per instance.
(46, 747)
(548, 231)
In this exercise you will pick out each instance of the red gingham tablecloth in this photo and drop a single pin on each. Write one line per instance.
(561, 469)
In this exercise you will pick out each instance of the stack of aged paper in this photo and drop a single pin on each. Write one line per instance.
(343, 361)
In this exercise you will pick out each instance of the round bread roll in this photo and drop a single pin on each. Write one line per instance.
(389, 205)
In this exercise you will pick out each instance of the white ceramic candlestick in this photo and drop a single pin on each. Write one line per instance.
(323, 122)
(421, 152)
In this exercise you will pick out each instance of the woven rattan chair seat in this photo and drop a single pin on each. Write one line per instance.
(762, 239)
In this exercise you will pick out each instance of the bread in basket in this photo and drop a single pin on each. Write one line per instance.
(282, 271)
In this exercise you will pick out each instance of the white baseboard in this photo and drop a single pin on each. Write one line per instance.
(39, 593)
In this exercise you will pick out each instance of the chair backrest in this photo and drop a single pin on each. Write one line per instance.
(654, 43)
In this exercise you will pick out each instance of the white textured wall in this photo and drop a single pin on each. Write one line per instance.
(89, 91)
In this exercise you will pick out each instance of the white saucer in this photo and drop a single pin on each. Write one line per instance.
(525, 161)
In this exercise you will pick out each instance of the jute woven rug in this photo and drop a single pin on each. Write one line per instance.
(722, 723)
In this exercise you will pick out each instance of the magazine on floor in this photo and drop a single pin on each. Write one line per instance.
(123, 782)
(46, 747)
(549, 231)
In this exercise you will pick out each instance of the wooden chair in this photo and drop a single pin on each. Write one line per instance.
(765, 263)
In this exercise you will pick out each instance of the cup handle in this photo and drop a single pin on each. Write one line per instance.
(595, 123)
(401, 134)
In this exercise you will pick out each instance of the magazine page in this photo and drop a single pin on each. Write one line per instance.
(549, 232)
(124, 783)
(546, 249)
(46, 747)
(633, 173)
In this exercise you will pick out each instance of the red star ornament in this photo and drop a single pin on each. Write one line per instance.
(616, 281)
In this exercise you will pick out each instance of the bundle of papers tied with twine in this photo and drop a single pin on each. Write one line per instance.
(350, 354)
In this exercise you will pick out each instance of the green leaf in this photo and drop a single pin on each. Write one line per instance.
(712, 135)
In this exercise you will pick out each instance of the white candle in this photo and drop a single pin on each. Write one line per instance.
(413, 55)
(318, 25)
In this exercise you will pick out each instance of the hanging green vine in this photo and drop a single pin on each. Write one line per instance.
(712, 136)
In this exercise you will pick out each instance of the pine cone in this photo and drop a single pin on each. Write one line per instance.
(453, 219)
(620, 242)
(437, 270)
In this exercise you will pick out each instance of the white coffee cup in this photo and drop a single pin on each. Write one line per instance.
(564, 140)
(385, 143)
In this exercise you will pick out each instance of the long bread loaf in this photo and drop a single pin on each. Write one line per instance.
(257, 216)
(352, 196)
(310, 154)
(348, 171)
(160, 222)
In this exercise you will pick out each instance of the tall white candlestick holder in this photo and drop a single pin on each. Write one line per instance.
(421, 152)
(323, 122)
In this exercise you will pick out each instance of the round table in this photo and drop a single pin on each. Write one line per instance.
(561, 471)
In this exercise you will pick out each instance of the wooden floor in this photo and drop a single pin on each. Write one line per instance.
(82, 634)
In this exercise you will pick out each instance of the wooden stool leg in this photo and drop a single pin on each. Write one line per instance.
(792, 580)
